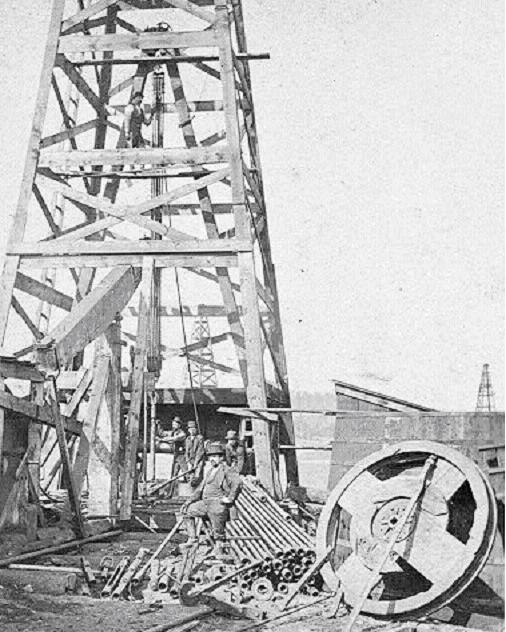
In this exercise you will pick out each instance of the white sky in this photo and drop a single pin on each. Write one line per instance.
(381, 127)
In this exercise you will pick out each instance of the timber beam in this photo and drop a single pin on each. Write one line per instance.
(91, 316)
(36, 413)
(175, 157)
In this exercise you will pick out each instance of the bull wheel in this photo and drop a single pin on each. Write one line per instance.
(441, 549)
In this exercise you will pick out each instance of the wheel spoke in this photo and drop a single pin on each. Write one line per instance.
(447, 478)
(432, 551)
(354, 575)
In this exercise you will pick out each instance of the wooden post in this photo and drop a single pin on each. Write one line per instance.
(130, 461)
(266, 462)
(74, 501)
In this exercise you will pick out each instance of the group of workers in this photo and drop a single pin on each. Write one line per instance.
(215, 487)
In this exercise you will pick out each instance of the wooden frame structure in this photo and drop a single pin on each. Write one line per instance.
(102, 248)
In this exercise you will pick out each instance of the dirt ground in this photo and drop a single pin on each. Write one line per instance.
(33, 612)
(35, 601)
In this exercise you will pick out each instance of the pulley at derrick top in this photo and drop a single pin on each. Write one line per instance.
(440, 549)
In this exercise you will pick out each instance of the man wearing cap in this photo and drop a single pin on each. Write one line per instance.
(235, 453)
(135, 118)
(213, 498)
(194, 453)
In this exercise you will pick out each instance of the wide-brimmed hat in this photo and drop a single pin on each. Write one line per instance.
(192, 424)
(231, 434)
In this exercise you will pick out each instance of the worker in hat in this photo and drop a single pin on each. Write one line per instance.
(235, 453)
(213, 498)
(135, 118)
(194, 453)
(175, 438)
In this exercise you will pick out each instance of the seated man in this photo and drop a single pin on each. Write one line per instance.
(213, 498)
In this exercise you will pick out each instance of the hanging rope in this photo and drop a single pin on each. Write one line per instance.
(185, 340)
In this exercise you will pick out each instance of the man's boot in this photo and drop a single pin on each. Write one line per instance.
(191, 532)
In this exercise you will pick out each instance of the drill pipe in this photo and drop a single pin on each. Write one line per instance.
(164, 578)
(286, 575)
(271, 534)
(281, 516)
(129, 573)
(244, 546)
(277, 566)
(255, 546)
(115, 577)
(274, 522)
(265, 525)
(247, 526)
(282, 588)
(154, 571)
(297, 571)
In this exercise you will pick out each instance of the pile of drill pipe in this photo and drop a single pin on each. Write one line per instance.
(269, 529)
(275, 574)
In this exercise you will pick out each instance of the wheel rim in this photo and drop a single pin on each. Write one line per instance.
(440, 550)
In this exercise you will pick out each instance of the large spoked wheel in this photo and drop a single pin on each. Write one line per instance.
(440, 550)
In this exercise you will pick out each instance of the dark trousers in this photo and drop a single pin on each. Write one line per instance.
(214, 510)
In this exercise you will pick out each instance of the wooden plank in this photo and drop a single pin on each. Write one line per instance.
(42, 291)
(80, 83)
(217, 208)
(87, 26)
(179, 192)
(193, 9)
(100, 378)
(79, 392)
(71, 44)
(38, 414)
(61, 137)
(91, 317)
(114, 400)
(266, 463)
(147, 247)
(136, 397)
(73, 497)
(94, 202)
(20, 216)
(10, 368)
(135, 260)
(20, 311)
(170, 156)
(85, 14)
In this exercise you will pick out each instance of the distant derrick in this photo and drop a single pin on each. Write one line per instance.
(485, 401)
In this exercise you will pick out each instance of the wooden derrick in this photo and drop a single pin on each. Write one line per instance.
(98, 242)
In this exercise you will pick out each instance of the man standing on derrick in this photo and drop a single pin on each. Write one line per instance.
(135, 118)
(194, 453)
(213, 498)
(235, 453)
(175, 438)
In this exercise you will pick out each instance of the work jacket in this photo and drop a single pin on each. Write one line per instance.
(218, 482)
(194, 449)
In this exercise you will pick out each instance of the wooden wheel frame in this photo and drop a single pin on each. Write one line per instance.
(438, 553)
